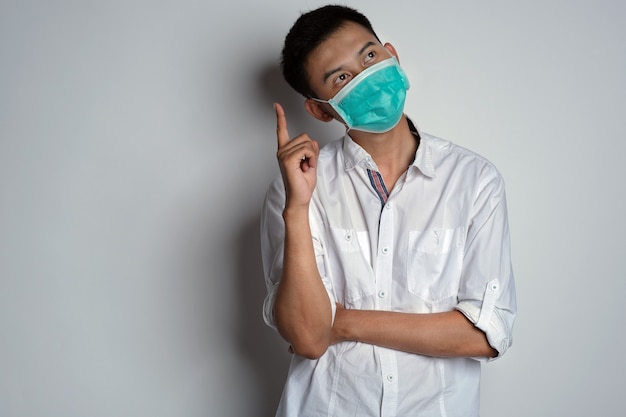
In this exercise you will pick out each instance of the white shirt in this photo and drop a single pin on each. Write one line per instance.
(440, 242)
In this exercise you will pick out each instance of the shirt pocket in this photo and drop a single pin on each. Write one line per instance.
(434, 262)
(352, 274)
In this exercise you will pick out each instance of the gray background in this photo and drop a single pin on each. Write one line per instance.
(136, 143)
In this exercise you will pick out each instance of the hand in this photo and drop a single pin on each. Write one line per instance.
(297, 160)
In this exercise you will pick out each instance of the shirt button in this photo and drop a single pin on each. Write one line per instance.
(348, 236)
(385, 250)
(388, 206)
(382, 294)
(390, 378)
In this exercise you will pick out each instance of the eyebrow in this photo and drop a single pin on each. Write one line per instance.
(339, 68)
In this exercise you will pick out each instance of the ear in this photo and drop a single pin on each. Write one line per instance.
(317, 110)
(392, 50)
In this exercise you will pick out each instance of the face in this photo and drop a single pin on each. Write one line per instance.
(340, 58)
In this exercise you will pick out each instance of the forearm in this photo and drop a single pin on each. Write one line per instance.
(448, 334)
(302, 309)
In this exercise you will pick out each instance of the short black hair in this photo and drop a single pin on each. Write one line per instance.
(307, 33)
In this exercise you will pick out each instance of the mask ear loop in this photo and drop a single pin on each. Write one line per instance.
(319, 100)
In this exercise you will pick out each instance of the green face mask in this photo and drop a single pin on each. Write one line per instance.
(374, 100)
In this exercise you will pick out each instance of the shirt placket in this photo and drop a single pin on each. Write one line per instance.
(385, 255)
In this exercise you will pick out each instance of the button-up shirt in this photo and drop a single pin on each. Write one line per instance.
(438, 242)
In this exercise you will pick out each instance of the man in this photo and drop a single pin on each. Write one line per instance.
(386, 253)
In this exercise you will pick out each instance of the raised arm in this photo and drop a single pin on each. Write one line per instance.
(302, 309)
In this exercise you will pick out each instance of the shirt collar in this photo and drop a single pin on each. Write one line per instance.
(354, 154)
(424, 155)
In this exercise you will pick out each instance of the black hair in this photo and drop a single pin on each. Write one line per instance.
(307, 33)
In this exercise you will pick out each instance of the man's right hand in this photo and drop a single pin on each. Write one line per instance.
(297, 159)
(301, 309)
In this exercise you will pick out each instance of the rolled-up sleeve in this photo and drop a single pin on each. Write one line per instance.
(272, 249)
(487, 294)
(272, 244)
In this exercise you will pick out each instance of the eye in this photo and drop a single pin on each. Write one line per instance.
(342, 78)
(369, 57)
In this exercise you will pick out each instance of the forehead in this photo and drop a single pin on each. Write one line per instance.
(339, 48)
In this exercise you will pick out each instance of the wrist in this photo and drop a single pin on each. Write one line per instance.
(344, 328)
(296, 212)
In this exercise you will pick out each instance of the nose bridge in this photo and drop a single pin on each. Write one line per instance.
(359, 68)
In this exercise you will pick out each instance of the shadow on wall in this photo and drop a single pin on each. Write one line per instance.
(260, 345)
(271, 87)
(265, 350)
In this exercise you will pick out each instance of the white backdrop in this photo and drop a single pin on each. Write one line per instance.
(136, 143)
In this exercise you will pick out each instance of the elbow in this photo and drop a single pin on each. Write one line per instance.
(309, 339)
(490, 353)
(310, 350)
(306, 344)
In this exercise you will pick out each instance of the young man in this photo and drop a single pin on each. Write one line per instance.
(386, 253)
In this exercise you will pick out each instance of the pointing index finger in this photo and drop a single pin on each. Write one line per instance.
(281, 126)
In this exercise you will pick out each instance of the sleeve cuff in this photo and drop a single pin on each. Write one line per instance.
(494, 328)
(268, 307)
(487, 317)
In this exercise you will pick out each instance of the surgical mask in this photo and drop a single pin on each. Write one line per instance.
(374, 100)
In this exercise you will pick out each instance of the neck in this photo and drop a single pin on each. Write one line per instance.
(393, 151)
(395, 148)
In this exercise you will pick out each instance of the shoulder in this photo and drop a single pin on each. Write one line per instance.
(445, 153)
(331, 150)
(446, 147)
(330, 161)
